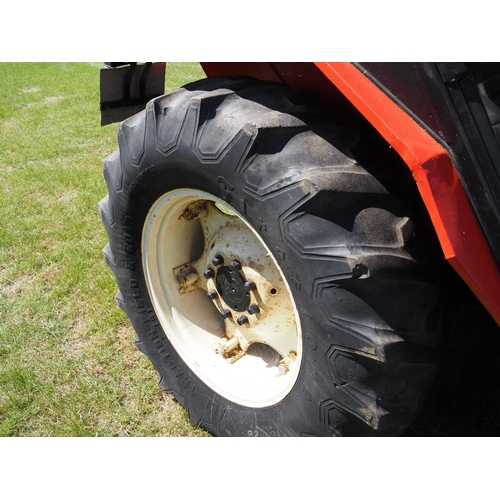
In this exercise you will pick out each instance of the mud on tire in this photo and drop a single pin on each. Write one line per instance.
(343, 338)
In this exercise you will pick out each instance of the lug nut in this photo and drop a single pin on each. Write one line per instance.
(234, 265)
(249, 286)
(218, 260)
(252, 309)
(226, 313)
(242, 320)
(212, 294)
(209, 273)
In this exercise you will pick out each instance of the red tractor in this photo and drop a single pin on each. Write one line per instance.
(279, 232)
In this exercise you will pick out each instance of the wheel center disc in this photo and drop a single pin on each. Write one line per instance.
(230, 287)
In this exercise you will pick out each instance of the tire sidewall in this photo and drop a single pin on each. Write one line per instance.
(207, 408)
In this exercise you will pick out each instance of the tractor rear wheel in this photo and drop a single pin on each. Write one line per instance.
(275, 284)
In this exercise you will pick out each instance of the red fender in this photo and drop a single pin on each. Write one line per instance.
(461, 238)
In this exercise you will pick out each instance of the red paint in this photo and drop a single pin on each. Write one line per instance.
(461, 238)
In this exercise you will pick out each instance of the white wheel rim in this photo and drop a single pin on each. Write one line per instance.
(178, 244)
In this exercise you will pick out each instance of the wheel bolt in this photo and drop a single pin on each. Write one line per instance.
(226, 313)
(234, 265)
(209, 273)
(242, 320)
(249, 286)
(212, 294)
(252, 309)
(218, 260)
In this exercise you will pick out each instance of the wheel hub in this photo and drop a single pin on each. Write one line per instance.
(230, 285)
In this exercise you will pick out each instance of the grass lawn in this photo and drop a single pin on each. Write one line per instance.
(68, 365)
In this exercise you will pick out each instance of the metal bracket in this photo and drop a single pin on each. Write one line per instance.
(126, 88)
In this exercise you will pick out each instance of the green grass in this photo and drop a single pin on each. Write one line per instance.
(68, 366)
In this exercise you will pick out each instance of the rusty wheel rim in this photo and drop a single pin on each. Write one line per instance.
(221, 298)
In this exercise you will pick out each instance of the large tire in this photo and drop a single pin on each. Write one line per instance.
(343, 338)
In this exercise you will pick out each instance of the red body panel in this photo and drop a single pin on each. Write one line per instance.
(459, 233)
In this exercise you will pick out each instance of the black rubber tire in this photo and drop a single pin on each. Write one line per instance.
(359, 272)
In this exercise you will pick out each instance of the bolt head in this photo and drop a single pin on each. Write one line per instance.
(249, 286)
(209, 273)
(234, 265)
(252, 309)
(212, 294)
(226, 313)
(242, 320)
(218, 260)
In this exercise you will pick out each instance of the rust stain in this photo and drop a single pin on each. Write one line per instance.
(187, 277)
(194, 210)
